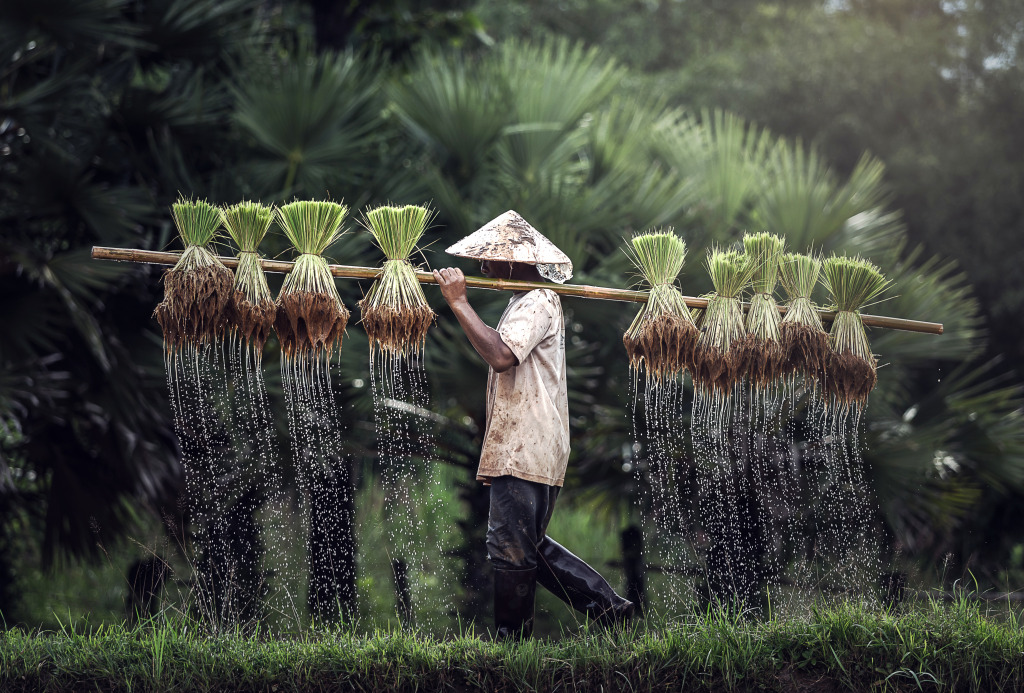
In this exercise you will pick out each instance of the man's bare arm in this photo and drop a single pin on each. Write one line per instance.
(484, 339)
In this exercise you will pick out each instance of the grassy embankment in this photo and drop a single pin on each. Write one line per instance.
(932, 647)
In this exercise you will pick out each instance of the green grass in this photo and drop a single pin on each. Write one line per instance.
(934, 647)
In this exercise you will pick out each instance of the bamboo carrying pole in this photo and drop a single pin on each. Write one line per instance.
(156, 257)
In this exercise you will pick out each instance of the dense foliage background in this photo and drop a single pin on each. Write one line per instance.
(884, 128)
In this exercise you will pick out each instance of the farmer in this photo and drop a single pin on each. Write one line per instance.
(526, 442)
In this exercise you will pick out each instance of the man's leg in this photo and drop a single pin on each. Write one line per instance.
(570, 579)
(519, 512)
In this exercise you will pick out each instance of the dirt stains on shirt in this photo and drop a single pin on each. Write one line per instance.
(527, 434)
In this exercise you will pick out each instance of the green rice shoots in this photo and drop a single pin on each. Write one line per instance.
(311, 318)
(662, 336)
(851, 370)
(197, 289)
(395, 313)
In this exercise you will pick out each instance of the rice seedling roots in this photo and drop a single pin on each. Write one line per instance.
(664, 346)
(194, 309)
(850, 378)
(714, 370)
(308, 323)
(762, 360)
(805, 350)
(397, 330)
(252, 321)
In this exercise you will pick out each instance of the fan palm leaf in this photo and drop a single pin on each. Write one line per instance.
(313, 121)
(551, 85)
(725, 155)
(804, 199)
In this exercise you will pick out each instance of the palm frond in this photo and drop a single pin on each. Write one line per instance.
(455, 106)
(313, 122)
(803, 199)
(724, 155)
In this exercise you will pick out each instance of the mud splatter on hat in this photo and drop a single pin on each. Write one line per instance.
(510, 238)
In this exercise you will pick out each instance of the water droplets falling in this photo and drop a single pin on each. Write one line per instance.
(203, 420)
(405, 444)
(261, 484)
(729, 505)
(769, 494)
(664, 474)
(323, 473)
(846, 546)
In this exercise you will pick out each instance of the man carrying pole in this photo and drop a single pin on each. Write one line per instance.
(526, 442)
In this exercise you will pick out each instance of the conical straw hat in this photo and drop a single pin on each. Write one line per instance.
(510, 238)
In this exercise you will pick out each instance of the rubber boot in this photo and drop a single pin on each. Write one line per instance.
(514, 591)
(570, 579)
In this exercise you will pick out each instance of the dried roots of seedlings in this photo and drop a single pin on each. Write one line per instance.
(252, 322)
(662, 345)
(194, 309)
(850, 378)
(805, 350)
(309, 323)
(399, 331)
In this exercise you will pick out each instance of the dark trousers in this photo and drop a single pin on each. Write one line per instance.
(518, 521)
(517, 544)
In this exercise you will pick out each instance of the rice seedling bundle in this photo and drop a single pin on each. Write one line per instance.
(662, 336)
(851, 370)
(252, 308)
(395, 312)
(804, 340)
(311, 318)
(762, 347)
(718, 356)
(198, 287)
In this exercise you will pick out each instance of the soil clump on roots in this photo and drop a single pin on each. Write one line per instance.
(805, 350)
(309, 323)
(850, 378)
(714, 369)
(252, 321)
(194, 309)
(397, 329)
(663, 345)
(761, 360)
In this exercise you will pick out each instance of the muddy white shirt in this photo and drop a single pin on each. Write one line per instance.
(527, 432)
